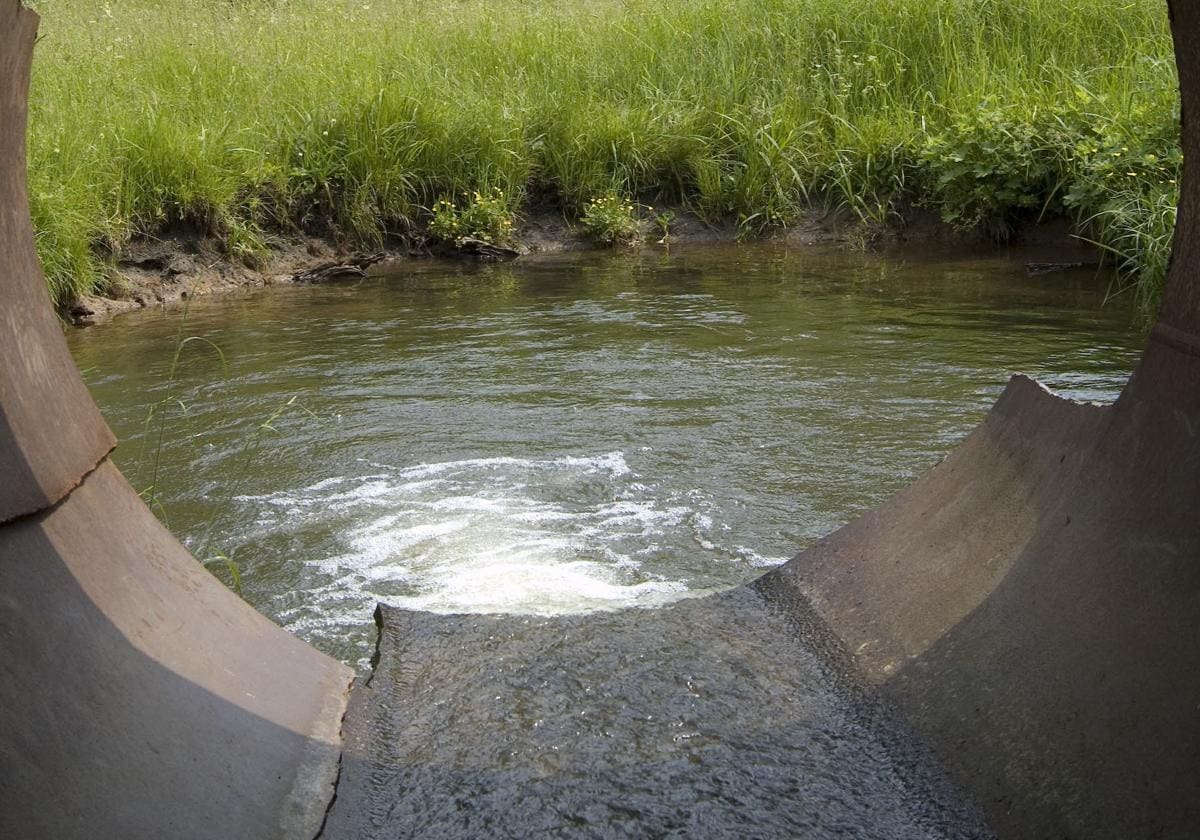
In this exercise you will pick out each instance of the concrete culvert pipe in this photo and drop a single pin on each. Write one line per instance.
(138, 697)
(1030, 608)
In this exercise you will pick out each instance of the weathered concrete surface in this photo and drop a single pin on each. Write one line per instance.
(1033, 608)
(139, 698)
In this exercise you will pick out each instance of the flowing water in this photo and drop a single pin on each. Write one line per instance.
(569, 434)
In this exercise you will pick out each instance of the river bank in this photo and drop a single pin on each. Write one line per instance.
(179, 265)
(363, 123)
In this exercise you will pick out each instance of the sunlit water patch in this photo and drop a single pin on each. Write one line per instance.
(572, 434)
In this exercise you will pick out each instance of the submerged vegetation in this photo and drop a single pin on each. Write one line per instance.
(363, 119)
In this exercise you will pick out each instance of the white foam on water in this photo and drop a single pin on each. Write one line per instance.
(531, 585)
(545, 536)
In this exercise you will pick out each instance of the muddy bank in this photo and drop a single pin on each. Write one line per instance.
(177, 265)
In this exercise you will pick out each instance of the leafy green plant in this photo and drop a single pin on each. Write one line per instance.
(663, 221)
(990, 165)
(244, 242)
(1136, 227)
(446, 224)
(611, 220)
(1125, 191)
(485, 217)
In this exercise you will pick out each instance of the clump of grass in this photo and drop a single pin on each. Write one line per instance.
(348, 118)
(610, 219)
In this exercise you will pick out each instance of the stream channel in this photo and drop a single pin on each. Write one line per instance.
(570, 434)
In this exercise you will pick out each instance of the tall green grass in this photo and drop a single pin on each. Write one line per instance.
(353, 118)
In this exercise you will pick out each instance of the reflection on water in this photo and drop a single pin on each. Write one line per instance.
(567, 434)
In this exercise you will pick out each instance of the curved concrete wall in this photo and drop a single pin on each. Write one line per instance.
(138, 697)
(50, 431)
(1032, 606)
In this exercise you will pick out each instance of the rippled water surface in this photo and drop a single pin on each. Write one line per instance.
(566, 434)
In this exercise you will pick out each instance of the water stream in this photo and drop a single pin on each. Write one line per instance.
(565, 434)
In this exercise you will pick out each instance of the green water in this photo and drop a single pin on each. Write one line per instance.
(566, 434)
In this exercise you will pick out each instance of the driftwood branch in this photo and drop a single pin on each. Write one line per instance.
(352, 268)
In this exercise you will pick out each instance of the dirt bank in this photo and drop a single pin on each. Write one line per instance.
(181, 264)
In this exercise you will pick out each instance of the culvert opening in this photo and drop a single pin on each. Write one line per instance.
(1031, 590)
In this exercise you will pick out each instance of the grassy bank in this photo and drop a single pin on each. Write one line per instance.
(355, 118)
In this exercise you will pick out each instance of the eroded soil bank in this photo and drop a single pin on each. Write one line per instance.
(181, 264)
